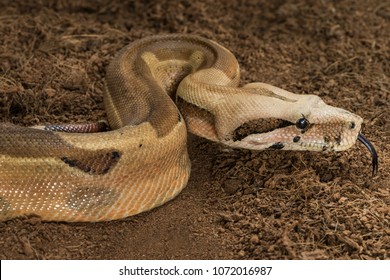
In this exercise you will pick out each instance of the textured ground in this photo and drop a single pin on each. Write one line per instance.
(239, 204)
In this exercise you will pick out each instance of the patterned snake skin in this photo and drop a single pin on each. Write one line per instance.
(157, 88)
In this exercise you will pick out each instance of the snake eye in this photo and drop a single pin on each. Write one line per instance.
(302, 123)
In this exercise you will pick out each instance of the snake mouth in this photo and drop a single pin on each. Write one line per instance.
(372, 150)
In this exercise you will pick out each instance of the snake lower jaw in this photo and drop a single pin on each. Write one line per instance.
(258, 142)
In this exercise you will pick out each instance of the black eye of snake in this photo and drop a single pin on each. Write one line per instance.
(302, 123)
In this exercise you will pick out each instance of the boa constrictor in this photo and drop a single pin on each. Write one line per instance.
(156, 89)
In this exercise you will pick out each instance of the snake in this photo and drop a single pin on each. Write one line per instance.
(156, 90)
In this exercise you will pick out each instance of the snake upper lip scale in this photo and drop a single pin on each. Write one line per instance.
(372, 150)
(157, 89)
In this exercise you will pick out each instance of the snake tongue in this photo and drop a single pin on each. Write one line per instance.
(371, 148)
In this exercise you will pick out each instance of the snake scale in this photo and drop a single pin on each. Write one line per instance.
(156, 89)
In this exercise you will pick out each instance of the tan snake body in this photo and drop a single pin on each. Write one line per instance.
(142, 162)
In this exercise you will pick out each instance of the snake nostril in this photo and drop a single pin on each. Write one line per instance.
(352, 125)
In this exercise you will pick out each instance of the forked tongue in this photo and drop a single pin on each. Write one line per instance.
(371, 148)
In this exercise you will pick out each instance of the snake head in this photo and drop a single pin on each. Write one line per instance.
(299, 122)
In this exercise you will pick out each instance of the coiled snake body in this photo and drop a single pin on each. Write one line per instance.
(61, 174)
